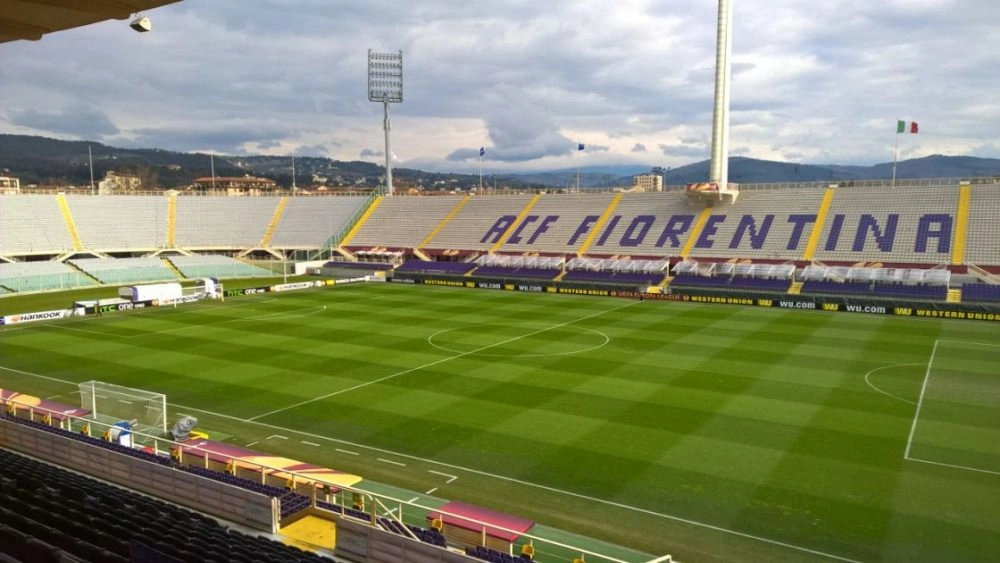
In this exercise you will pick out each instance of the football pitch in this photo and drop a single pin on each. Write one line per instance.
(709, 432)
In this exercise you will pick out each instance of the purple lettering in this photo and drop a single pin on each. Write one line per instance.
(608, 230)
(542, 227)
(584, 227)
(705, 239)
(941, 223)
(515, 237)
(498, 229)
(800, 222)
(834, 237)
(642, 223)
(676, 226)
(757, 236)
(883, 239)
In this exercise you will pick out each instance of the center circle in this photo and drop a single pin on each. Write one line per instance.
(522, 340)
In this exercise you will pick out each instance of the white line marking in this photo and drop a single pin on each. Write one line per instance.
(278, 436)
(606, 502)
(52, 397)
(965, 467)
(430, 492)
(607, 340)
(872, 385)
(441, 361)
(450, 477)
(348, 452)
(382, 459)
(413, 500)
(920, 401)
(310, 443)
(251, 444)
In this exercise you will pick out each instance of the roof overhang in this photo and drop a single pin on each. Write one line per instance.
(31, 19)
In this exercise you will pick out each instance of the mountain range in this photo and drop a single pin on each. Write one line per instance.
(52, 162)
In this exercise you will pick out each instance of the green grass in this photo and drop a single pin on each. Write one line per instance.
(710, 432)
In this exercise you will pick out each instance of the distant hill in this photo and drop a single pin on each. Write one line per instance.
(44, 161)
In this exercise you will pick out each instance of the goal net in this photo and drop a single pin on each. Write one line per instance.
(110, 403)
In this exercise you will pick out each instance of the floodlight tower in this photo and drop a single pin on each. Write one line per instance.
(719, 169)
(385, 84)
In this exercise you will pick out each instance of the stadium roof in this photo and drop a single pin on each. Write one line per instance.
(31, 19)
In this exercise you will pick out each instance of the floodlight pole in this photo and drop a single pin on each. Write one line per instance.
(719, 169)
(385, 84)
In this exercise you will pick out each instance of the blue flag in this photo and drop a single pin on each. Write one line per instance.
(579, 147)
(482, 151)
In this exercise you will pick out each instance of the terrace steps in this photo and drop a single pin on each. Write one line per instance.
(600, 223)
(172, 221)
(421, 254)
(279, 210)
(513, 226)
(447, 218)
(824, 210)
(561, 275)
(953, 296)
(961, 224)
(696, 232)
(795, 288)
(361, 221)
(70, 224)
(170, 265)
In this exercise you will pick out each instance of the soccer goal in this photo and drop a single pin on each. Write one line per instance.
(110, 403)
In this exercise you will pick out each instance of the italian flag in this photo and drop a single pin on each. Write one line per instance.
(901, 127)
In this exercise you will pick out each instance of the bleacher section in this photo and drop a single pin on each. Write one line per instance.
(47, 512)
(904, 225)
(771, 225)
(308, 222)
(403, 222)
(481, 223)
(223, 222)
(557, 217)
(212, 266)
(32, 224)
(982, 244)
(981, 292)
(38, 276)
(125, 270)
(120, 222)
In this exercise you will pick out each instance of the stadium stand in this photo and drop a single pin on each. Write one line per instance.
(120, 222)
(403, 222)
(208, 222)
(763, 224)
(982, 240)
(125, 270)
(41, 275)
(557, 216)
(47, 512)
(213, 266)
(904, 225)
(480, 223)
(980, 292)
(32, 224)
(308, 222)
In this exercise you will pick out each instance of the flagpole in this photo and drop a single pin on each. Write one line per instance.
(895, 153)
(480, 171)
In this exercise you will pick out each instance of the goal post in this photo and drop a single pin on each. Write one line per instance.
(112, 403)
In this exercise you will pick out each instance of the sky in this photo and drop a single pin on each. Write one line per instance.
(528, 80)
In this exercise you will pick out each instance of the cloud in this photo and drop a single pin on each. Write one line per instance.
(236, 76)
(77, 121)
(639, 147)
(369, 153)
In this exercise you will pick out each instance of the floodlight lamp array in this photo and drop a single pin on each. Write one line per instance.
(385, 77)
